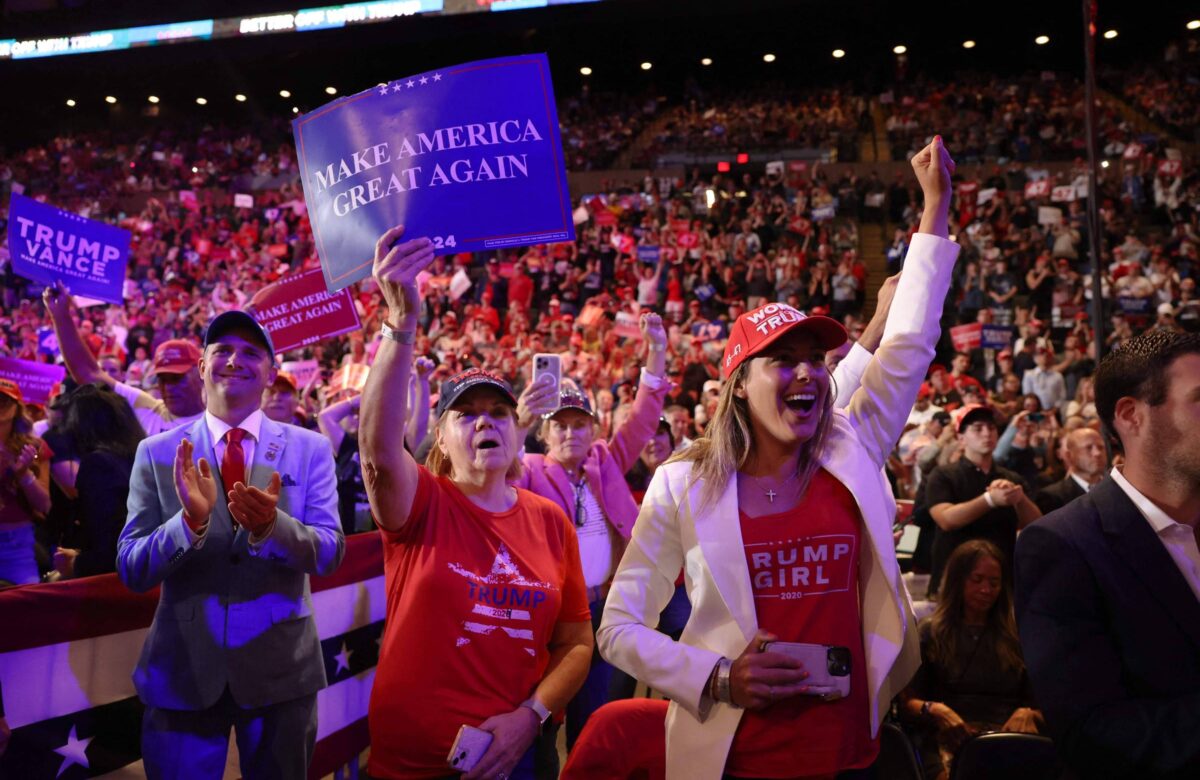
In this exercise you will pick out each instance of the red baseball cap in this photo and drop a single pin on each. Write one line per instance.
(925, 391)
(971, 412)
(177, 356)
(756, 330)
(11, 389)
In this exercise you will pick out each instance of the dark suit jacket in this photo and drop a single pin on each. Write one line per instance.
(1111, 635)
(1058, 495)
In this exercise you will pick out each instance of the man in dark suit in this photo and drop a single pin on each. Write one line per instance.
(233, 644)
(1086, 458)
(1108, 588)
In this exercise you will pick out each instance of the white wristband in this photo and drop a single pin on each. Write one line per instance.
(987, 496)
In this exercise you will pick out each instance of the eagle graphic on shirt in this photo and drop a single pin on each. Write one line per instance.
(503, 600)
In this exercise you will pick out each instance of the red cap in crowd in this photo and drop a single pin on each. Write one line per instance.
(972, 412)
(11, 389)
(756, 330)
(177, 356)
(924, 392)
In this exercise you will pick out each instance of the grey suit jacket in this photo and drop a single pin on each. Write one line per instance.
(230, 614)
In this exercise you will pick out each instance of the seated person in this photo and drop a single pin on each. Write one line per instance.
(972, 677)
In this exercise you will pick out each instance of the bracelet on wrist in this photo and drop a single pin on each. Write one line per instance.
(987, 496)
(926, 708)
(404, 336)
(724, 684)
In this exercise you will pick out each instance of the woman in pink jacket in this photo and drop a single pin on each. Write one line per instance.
(585, 475)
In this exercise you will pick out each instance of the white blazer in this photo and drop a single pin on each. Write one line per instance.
(674, 530)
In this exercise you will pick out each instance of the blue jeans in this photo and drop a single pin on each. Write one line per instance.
(594, 693)
(17, 562)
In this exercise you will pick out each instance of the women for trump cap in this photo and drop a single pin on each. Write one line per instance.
(756, 330)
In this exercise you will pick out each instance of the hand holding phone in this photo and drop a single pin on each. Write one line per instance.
(469, 746)
(546, 364)
(828, 666)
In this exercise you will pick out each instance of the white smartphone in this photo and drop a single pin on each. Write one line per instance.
(469, 746)
(548, 364)
(828, 667)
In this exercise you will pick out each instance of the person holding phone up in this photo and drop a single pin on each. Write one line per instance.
(487, 621)
(585, 475)
(782, 520)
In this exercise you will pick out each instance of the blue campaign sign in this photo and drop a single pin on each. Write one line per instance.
(469, 156)
(996, 336)
(649, 254)
(48, 244)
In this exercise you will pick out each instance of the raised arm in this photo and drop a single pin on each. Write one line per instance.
(330, 420)
(880, 408)
(847, 377)
(629, 440)
(389, 471)
(79, 359)
(418, 423)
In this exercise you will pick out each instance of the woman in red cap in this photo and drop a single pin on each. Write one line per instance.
(24, 487)
(781, 518)
(487, 617)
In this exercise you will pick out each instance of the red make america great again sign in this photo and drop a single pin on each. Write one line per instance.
(298, 310)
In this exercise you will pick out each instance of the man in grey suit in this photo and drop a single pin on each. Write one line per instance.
(233, 643)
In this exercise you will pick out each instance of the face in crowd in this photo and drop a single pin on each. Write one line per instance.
(569, 434)
(236, 369)
(785, 388)
(479, 433)
(979, 437)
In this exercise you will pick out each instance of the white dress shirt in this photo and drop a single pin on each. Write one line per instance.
(217, 429)
(1178, 539)
(1083, 483)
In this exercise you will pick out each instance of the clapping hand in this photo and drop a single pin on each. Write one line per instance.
(252, 508)
(195, 486)
(1006, 493)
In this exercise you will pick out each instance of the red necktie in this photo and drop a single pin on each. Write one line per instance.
(233, 463)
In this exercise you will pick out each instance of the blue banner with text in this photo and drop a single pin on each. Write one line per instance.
(49, 244)
(468, 156)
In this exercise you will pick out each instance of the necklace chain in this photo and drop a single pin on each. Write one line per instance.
(768, 492)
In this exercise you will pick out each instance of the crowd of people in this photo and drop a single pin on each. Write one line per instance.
(710, 328)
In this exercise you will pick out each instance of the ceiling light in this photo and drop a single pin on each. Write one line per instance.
(110, 100)
(295, 110)
(240, 98)
(330, 90)
(1194, 24)
(70, 103)
(153, 98)
(283, 93)
(838, 54)
(901, 49)
(706, 61)
(1110, 34)
(1104, 163)
(585, 71)
(647, 65)
(201, 101)
(1042, 40)
(968, 44)
(768, 58)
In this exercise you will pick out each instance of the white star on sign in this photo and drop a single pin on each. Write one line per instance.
(424, 80)
(74, 752)
(343, 660)
(411, 83)
(437, 77)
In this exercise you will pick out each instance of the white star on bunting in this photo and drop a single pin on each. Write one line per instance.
(383, 89)
(343, 660)
(424, 80)
(74, 752)
(411, 84)
(437, 77)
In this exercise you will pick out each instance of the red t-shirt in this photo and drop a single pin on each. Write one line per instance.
(804, 573)
(472, 600)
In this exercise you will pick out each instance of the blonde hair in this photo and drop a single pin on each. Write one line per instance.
(729, 437)
(438, 462)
